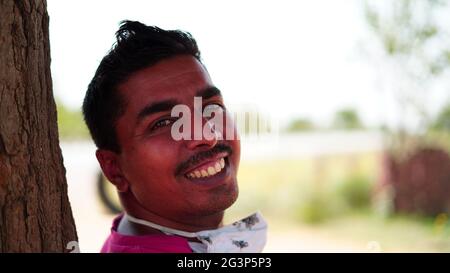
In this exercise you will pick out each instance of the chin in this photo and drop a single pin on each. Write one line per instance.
(217, 203)
(228, 200)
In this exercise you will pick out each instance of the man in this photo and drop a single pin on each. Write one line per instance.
(174, 190)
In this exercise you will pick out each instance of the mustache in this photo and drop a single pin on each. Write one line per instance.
(201, 156)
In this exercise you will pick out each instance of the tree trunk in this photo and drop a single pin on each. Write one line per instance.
(35, 214)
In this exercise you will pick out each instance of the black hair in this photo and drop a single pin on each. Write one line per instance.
(138, 46)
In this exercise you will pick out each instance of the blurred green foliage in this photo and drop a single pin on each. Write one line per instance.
(352, 194)
(347, 119)
(301, 125)
(409, 28)
(356, 192)
(315, 208)
(297, 195)
(305, 189)
(71, 125)
(414, 41)
(343, 119)
(320, 205)
(442, 122)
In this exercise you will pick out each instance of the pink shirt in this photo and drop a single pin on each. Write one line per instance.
(155, 243)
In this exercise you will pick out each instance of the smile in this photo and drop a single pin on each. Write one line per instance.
(208, 169)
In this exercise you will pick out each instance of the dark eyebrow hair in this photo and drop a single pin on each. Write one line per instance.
(167, 105)
(156, 107)
(209, 92)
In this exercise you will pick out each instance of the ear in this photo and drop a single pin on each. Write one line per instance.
(111, 168)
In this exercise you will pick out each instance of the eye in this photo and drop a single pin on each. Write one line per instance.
(213, 108)
(161, 123)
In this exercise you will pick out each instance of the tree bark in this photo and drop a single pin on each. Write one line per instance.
(35, 213)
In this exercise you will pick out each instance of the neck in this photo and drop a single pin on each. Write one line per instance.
(188, 223)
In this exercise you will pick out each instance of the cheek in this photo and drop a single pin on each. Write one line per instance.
(152, 160)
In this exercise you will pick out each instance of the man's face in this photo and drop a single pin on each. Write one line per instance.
(161, 172)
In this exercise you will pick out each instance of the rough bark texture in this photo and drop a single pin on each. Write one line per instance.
(35, 214)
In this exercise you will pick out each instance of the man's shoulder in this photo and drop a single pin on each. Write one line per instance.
(153, 243)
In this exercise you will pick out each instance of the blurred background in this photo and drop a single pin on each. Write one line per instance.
(358, 158)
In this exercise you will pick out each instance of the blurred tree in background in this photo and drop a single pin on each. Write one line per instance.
(415, 50)
(414, 44)
(347, 119)
(344, 119)
(442, 122)
(301, 125)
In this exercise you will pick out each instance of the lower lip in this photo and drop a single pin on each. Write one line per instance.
(212, 181)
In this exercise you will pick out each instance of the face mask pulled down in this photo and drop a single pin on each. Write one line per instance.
(248, 235)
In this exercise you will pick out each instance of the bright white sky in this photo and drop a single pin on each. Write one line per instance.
(289, 58)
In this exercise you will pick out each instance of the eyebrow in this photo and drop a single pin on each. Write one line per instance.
(167, 105)
(157, 107)
(209, 92)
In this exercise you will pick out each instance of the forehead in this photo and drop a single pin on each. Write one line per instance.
(178, 78)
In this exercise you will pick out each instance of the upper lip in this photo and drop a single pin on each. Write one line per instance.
(212, 159)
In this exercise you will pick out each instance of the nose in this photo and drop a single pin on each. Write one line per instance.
(204, 137)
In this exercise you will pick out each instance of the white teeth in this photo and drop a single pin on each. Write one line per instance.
(210, 171)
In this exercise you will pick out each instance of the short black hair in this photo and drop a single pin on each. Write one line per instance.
(138, 46)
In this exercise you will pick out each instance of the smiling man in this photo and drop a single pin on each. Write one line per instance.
(174, 189)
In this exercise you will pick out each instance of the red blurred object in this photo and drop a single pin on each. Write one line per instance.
(421, 182)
